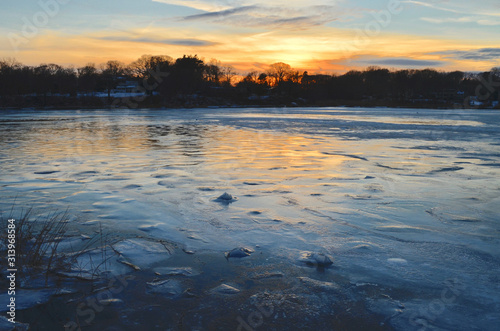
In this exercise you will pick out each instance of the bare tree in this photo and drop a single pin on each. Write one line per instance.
(251, 77)
(147, 65)
(228, 73)
(213, 72)
(111, 71)
(279, 72)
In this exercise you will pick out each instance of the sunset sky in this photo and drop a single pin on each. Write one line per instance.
(315, 35)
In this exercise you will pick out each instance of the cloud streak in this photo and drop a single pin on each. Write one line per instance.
(178, 42)
(313, 35)
(270, 17)
(221, 14)
(459, 7)
(199, 4)
(465, 19)
(482, 54)
(401, 62)
(219, 5)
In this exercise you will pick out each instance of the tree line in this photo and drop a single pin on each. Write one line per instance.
(159, 81)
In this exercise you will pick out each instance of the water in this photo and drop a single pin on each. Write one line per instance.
(404, 200)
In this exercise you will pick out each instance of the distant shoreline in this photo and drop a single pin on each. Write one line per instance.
(262, 106)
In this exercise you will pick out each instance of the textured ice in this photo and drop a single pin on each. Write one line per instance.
(27, 298)
(176, 271)
(91, 264)
(315, 259)
(168, 288)
(319, 285)
(364, 185)
(239, 252)
(5, 325)
(226, 198)
(142, 253)
(225, 289)
(396, 260)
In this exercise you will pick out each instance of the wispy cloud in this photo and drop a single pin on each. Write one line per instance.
(219, 5)
(461, 6)
(464, 19)
(405, 62)
(203, 5)
(275, 14)
(482, 54)
(433, 6)
(270, 17)
(250, 32)
(221, 13)
(400, 62)
(178, 42)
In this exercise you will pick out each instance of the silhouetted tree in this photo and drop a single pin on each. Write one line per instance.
(87, 78)
(110, 72)
(228, 74)
(213, 72)
(11, 77)
(401, 84)
(187, 75)
(152, 70)
(178, 80)
(254, 83)
(278, 72)
(349, 86)
(147, 65)
(377, 82)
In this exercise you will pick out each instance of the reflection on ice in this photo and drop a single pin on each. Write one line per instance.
(398, 199)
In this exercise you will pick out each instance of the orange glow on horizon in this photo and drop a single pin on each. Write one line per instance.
(316, 51)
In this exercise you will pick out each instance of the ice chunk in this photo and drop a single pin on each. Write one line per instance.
(90, 264)
(141, 252)
(268, 275)
(320, 285)
(181, 271)
(315, 259)
(225, 289)
(226, 197)
(168, 287)
(397, 261)
(239, 252)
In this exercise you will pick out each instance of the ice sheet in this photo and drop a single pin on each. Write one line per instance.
(403, 198)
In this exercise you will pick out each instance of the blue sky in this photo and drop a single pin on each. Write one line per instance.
(314, 35)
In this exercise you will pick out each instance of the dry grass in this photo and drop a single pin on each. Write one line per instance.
(37, 243)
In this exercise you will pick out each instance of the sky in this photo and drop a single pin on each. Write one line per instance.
(320, 36)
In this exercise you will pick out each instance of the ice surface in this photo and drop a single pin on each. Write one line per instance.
(403, 198)
(225, 289)
(169, 288)
(90, 264)
(142, 253)
(319, 260)
(180, 271)
(27, 298)
(9, 326)
(319, 285)
(239, 252)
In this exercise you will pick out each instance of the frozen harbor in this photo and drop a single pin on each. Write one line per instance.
(406, 202)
